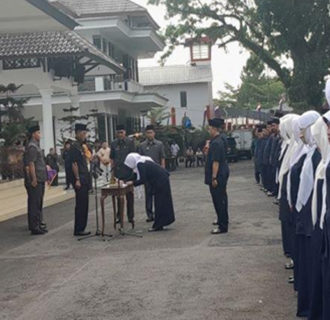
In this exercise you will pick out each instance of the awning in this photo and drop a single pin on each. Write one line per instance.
(53, 44)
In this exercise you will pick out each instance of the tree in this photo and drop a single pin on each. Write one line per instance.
(275, 31)
(13, 128)
(257, 88)
(13, 125)
(157, 115)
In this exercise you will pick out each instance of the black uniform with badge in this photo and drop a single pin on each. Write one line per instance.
(217, 153)
(78, 156)
(34, 154)
(120, 148)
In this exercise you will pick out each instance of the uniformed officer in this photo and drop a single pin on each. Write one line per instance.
(35, 174)
(155, 150)
(217, 174)
(81, 179)
(120, 148)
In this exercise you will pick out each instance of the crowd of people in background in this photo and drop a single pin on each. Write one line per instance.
(292, 164)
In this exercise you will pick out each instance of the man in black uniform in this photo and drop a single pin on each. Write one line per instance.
(81, 179)
(217, 174)
(155, 150)
(120, 148)
(35, 174)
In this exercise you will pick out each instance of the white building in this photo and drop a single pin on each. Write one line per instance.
(188, 88)
(108, 39)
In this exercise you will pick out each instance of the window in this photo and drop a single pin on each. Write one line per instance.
(111, 50)
(97, 42)
(200, 51)
(104, 46)
(183, 99)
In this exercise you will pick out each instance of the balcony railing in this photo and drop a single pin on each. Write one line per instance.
(112, 84)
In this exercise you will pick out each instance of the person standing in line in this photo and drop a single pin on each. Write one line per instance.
(257, 164)
(81, 179)
(52, 161)
(217, 174)
(67, 165)
(155, 150)
(104, 157)
(120, 148)
(35, 174)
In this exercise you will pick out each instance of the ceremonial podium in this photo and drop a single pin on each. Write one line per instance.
(116, 191)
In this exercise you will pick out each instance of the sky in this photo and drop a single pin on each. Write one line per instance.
(226, 65)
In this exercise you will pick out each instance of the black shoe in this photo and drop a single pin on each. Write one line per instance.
(289, 266)
(155, 229)
(150, 220)
(219, 231)
(291, 280)
(66, 188)
(37, 232)
(82, 233)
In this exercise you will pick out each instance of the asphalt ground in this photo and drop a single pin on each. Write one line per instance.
(181, 273)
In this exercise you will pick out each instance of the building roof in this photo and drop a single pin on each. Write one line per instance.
(179, 74)
(50, 10)
(88, 7)
(51, 44)
(101, 8)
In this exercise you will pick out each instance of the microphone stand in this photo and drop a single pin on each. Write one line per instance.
(98, 231)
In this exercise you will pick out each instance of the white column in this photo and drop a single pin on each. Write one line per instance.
(47, 119)
(75, 103)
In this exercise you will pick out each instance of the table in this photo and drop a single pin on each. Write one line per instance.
(119, 192)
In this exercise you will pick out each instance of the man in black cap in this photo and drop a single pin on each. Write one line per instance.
(81, 179)
(217, 174)
(155, 150)
(35, 174)
(120, 148)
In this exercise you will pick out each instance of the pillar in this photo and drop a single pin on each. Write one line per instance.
(47, 119)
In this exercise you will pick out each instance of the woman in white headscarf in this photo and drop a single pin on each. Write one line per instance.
(325, 225)
(303, 164)
(319, 132)
(285, 214)
(149, 172)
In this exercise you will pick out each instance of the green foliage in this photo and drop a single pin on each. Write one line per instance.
(256, 88)
(13, 125)
(274, 31)
(157, 115)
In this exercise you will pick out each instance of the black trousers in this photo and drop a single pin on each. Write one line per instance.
(68, 176)
(220, 202)
(35, 204)
(81, 209)
(149, 194)
(129, 206)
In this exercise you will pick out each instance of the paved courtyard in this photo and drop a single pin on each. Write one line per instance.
(179, 274)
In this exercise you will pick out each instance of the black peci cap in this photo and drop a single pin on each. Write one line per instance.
(150, 127)
(120, 127)
(80, 127)
(216, 122)
(276, 120)
(33, 129)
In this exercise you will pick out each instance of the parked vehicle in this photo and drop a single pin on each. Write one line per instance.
(231, 152)
(243, 138)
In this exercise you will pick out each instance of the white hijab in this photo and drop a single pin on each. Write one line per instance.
(307, 173)
(287, 132)
(327, 91)
(320, 134)
(133, 159)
